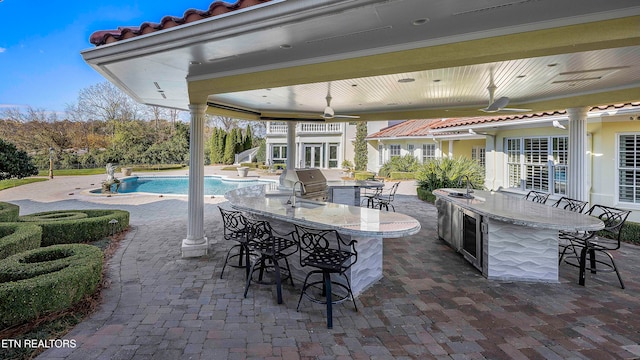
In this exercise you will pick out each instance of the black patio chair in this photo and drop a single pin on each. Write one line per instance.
(329, 254)
(598, 242)
(569, 204)
(235, 229)
(385, 198)
(368, 194)
(537, 196)
(270, 248)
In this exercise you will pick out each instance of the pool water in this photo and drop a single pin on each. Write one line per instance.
(179, 185)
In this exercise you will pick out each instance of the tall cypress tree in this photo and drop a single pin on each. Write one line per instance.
(214, 157)
(248, 138)
(360, 147)
(230, 148)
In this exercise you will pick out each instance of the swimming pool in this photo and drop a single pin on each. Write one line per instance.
(179, 185)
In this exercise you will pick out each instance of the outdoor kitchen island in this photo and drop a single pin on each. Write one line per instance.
(367, 226)
(505, 236)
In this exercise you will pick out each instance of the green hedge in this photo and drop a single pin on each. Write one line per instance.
(631, 233)
(363, 175)
(9, 212)
(44, 280)
(154, 167)
(253, 165)
(426, 195)
(402, 175)
(94, 226)
(17, 237)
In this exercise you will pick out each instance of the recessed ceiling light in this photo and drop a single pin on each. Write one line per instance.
(552, 65)
(354, 85)
(421, 21)
(436, 80)
(520, 76)
(285, 46)
(406, 80)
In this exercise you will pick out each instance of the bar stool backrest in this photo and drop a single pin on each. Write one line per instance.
(317, 241)
(235, 224)
(537, 196)
(614, 220)
(570, 204)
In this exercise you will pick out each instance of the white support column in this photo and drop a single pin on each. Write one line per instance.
(450, 155)
(291, 144)
(577, 186)
(196, 243)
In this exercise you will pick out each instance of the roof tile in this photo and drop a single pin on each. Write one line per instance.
(216, 8)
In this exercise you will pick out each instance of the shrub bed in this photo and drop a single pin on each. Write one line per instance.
(364, 175)
(9, 212)
(426, 195)
(402, 175)
(253, 165)
(90, 226)
(16, 238)
(631, 232)
(44, 280)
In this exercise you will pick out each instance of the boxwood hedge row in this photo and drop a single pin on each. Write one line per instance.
(9, 212)
(44, 280)
(18, 237)
(72, 226)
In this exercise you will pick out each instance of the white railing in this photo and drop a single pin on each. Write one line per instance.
(307, 128)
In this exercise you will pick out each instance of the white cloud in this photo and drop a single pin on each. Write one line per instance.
(2, 50)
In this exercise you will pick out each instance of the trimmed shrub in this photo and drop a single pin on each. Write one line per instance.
(426, 195)
(253, 165)
(363, 175)
(67, 229)
(9, 212)
(402, 175)
(631, 233)
(16, 238)
(44, 280)
(406, 163)
(448, 173)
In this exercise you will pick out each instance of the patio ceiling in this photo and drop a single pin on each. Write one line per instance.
(278, 59)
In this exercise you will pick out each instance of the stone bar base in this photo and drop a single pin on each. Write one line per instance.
(516, 252)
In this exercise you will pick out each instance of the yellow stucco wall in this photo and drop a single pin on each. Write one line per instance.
(462, 148)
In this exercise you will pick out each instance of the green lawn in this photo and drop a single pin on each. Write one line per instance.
(72, 172)
(10, 183)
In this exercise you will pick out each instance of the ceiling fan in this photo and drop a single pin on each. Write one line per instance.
(328, 111)
(500, 103)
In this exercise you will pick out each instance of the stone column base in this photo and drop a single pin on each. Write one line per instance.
(194, 250)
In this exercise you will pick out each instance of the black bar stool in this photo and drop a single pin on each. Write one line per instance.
(235, 229)
(270, 247)
(329, 254)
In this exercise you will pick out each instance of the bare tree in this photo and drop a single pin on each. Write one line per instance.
(106, 102)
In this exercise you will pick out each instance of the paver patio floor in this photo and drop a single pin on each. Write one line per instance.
(430, 303)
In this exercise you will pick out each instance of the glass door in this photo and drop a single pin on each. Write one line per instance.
(313, 156)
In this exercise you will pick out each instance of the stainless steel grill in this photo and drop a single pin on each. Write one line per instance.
(314, 184)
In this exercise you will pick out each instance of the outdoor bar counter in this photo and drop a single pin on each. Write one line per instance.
(505, 236)
(367, 226)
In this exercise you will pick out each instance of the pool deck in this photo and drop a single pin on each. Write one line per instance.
(430, 304)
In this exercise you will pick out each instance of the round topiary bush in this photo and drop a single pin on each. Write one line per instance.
(9, 212)
(18, 237)
(77, 226)
(39, 281)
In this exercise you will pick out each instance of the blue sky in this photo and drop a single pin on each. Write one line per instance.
(40, 44)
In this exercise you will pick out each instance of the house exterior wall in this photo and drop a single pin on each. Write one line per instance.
(464, 147)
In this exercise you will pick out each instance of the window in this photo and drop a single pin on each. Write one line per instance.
(628, 165)
(394, 150)
(537, 163)
(333, 155)
(428, 152)
(478, 154)
(278, 152)
(410, 149)
(380, 154)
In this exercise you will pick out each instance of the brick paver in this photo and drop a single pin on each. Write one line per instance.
(430, 303)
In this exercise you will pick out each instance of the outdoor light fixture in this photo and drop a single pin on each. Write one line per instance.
(51, 152)
(556, 124)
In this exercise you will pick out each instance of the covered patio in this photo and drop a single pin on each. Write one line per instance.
(431, 304)
(378, 60)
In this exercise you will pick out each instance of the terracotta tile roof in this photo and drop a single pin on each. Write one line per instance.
(423, 127)
(405, 128)
(216, 8)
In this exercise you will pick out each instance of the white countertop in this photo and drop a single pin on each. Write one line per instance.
(355, 183)
(516, 210)
(269, 201)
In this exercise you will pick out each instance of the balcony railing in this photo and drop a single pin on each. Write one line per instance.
(307, 128)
